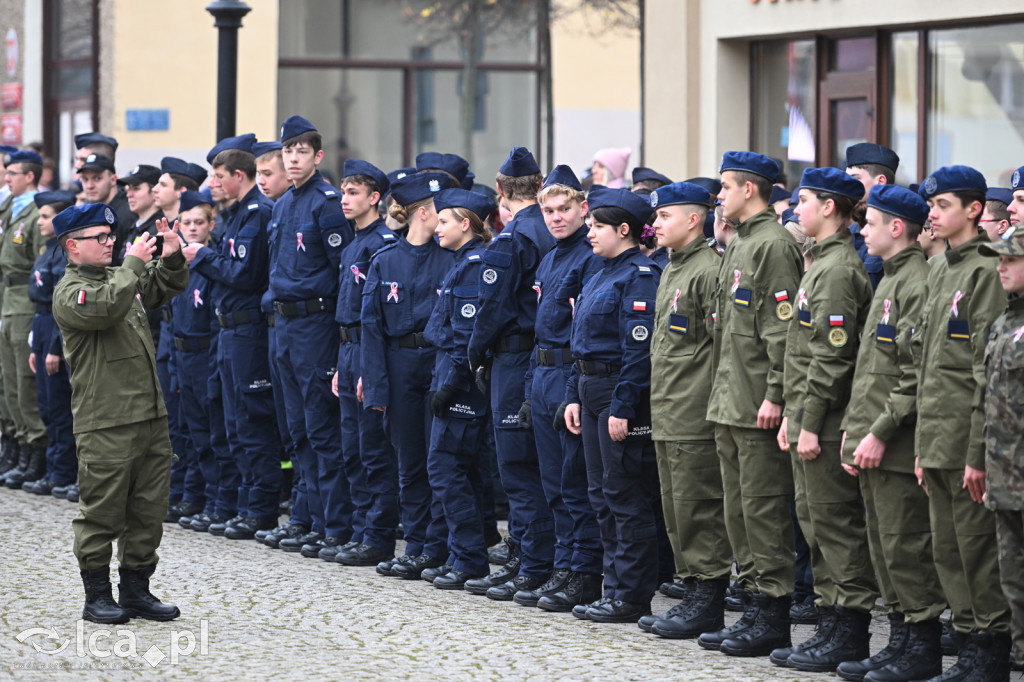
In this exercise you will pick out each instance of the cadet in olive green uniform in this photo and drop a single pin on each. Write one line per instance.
(963, 299)
(120, 421)
(821, 347)
(684, 441)
(757, 281)
(879, 445)
(1004, 428)
(20, 245)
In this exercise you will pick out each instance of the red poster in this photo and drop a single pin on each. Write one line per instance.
(10, 129)
(10, 96)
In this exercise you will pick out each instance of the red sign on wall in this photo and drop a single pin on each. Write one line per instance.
(10, 96)
(10, 129)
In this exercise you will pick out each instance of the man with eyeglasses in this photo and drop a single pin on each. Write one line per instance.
(120, 420)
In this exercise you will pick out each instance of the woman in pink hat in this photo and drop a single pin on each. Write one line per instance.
(610, 165)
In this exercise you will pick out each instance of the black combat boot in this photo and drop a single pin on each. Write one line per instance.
(964, 666)
(713, 640)
(9, 449)
(581, 588)
(992, 657)
(849, 642)
(136, 599)
(72, 493)
(952, 641)
(16, 476)
(822, 633)
(856, 670)
(100, 606)
(770, 630)
(921, 658)
(503, 575)
(704, 612)
(553, 585)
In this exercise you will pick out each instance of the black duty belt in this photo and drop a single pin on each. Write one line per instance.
(413, 340)
(303, 308)
(554, 357)
(192, 344)
(350, 334)
(15, 280)
(271, 319)
(228, 320)
(43, 308)
(514, 343)
(594, 368)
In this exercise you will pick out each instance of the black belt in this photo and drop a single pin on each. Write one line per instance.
(350, 334)
(303, 308)
(271, 320)
(594, 368)
(192, 344)
(514, 343)
(43, 308)
(234, 319)
(554, 357)
(15, 280)
(413, 340)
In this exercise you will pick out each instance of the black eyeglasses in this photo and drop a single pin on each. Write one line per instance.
(101, 238)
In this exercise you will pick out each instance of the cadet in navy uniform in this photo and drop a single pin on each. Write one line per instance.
(239, 268)
(53, 384)
(457, 435)
(561, 276)
(370, 461)
(872, 164)
(401, 289)
(504, 326)
(195, 330)
(309, 230)
(608, 396)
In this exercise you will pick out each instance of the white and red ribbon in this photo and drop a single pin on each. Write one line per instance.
(736, 280)
(298, 241)
(393, 295)
(956, 299)
(356, 272)
(536, 287)
(231, 245)
(1018, 333)
(675, 301)
(886, 306)
(197, 300)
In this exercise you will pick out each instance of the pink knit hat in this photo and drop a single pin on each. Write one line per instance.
(615, 159)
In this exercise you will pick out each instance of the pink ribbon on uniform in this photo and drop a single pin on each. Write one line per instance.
(39, 279)
(956, 299)
(736, 280)
(393, 296)
(885, 311)
(198, 301)
(675, 301)
(356, 272)
(298, 241)
(231, 245)
(536, 287)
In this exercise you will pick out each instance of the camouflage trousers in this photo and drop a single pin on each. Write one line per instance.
(1010, 533)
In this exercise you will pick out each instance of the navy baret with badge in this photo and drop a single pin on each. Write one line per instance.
(833, 181)
(1017, 181)
(142, 173)
(261, 148)
(294, 126)
(636, 205)
(751, 162)
(519, 163)
(449, 163)
(680, 193)
(93, 162)
(78, 217)
(189, 199)
(418, 186)
(869, 153)
(480, 204)
(900, 202)
(953, 179)
(57, 196)
(242, 142)
(25, 156)
(562, 175)
(360, 167)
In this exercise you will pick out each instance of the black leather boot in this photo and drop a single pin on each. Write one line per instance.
(991, 659)
(849, 642)
(713, 640)
(503, 575)
(952, 641)
(9, 449)
(822, 632)
(33, 471)
(856, 670)
(553, 585)
(770, 630)
(921, 658)
(16, 476)
(964, 666)
(703, 612)
(136, 599)
(581, 588)
(100, 606)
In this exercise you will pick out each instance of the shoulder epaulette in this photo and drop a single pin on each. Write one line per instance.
(387, 247)
(253, 206)
(504, 235)
(475, 256)
(327, 190)
(645, 270)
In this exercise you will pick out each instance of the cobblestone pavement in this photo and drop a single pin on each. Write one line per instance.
(271, 615)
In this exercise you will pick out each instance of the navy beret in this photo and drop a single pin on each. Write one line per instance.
(172, 164)
(1017, 182)
(467, 182)
(562, 175)
(242, 142)
(418, 186)
(680, 193)
(196, 172)
(261, 148)
(790, 216)
(86, 139)
(57, 196)
(780, 194)
(7, 149)
(76, 217)
(97, 162)
(751, 162)
(642, 174)
(398, 174)
(833, 181)
(900, 202)
(360, 167)
(481, 204)
(142, 173)
(207, 194)
(952, 179)
(636, 205)
(999, 194)
(863, 153)
(519, 163)
(450, 163)
(295, 125)
(712, 185)
(189, 199)
(25, 156)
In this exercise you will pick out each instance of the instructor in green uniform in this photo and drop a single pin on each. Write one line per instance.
(120, 421)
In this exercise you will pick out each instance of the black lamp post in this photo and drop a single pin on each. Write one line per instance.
(228, 19)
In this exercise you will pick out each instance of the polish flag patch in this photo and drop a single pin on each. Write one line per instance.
(781, 296)
(835, 320)
(81, 297)
(640, 306)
